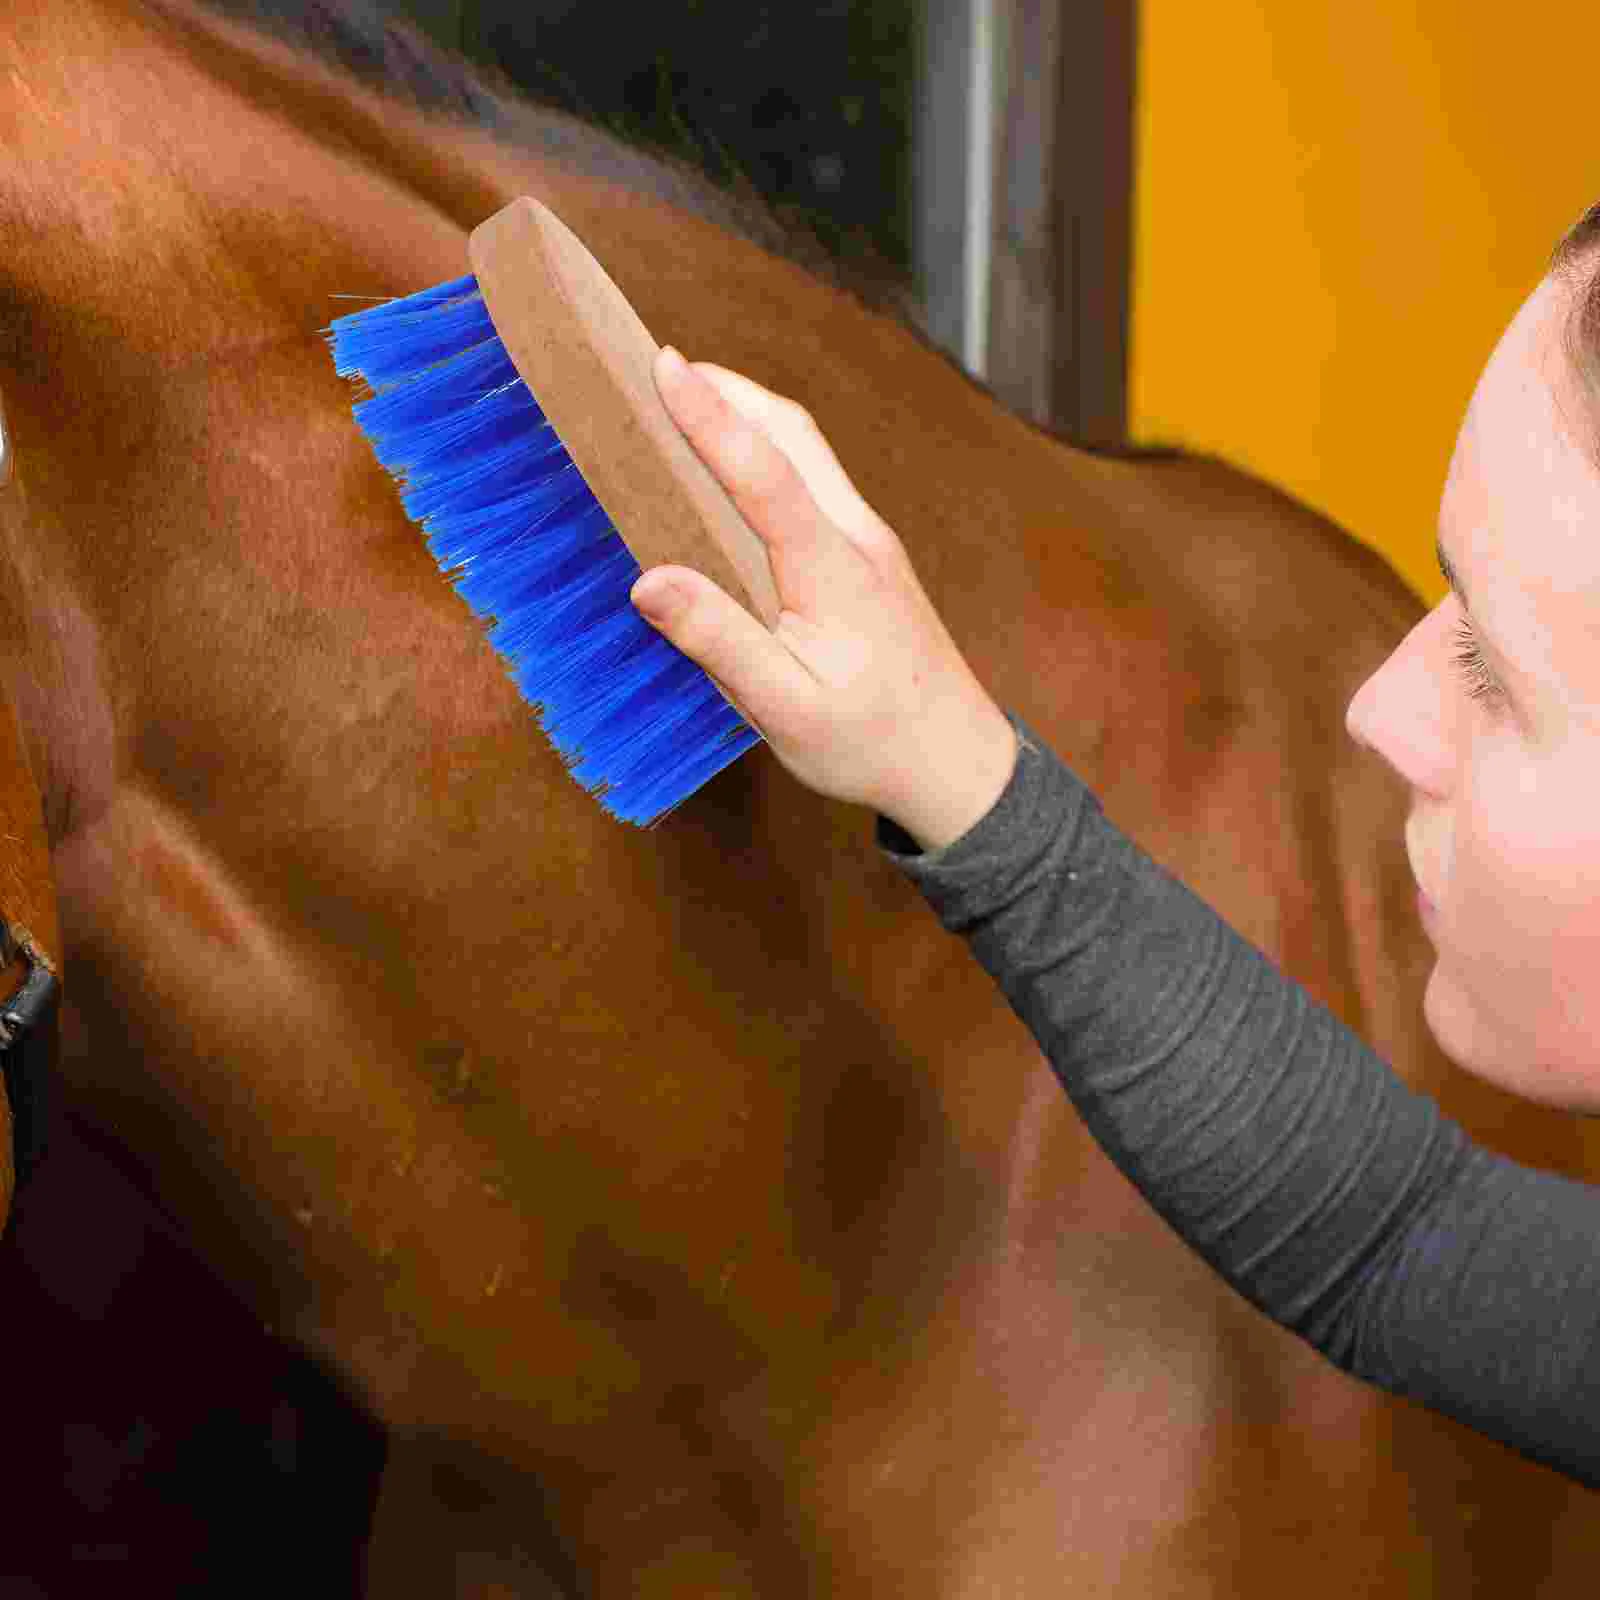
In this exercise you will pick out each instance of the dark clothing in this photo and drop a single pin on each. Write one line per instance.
(1268, 1135)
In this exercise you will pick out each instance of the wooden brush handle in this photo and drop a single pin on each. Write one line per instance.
(589, 360)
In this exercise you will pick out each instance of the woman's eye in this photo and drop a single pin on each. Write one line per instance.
(1480, 682)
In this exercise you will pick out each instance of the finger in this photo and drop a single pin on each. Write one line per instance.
(795, 432)
(761, 481)
(768, 683)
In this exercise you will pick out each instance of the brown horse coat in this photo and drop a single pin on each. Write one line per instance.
(689, 1207)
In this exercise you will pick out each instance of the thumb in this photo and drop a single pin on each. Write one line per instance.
(754, 667)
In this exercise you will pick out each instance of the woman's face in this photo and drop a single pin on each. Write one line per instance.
(1504, 831)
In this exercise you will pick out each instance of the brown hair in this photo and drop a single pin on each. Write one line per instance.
(1577, 255)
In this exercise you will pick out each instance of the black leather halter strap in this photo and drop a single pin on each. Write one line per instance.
(25, 1045)
(26, 1056)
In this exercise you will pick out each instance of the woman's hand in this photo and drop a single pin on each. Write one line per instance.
(859, 690)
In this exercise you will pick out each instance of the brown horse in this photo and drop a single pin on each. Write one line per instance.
(687, 1205)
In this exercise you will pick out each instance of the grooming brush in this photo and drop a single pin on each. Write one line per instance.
(517, 409)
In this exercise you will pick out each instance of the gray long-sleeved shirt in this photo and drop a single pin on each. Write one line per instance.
(1268, 1135)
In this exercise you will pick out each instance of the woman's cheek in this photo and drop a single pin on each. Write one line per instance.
(1526, 845)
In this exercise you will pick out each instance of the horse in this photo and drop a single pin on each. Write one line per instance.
(684, 1205)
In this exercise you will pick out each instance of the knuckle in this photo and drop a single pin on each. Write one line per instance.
(738, 446)
(694, 635)
(769, 470)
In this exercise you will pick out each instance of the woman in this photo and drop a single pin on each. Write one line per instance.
(1284, 1151)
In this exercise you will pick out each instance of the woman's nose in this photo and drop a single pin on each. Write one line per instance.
(1402, 712)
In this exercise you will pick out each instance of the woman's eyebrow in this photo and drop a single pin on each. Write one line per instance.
(1450, 573)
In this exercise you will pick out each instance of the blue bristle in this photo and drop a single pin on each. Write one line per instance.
(512, 524)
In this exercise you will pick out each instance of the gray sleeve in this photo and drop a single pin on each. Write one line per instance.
(1268, 1136)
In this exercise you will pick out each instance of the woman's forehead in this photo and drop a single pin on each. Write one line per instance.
(1520, 514)
(1524, 468)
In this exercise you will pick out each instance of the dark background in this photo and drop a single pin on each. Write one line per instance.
(813, 103)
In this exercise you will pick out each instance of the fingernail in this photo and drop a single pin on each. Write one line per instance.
(655, 598)
(672, 362)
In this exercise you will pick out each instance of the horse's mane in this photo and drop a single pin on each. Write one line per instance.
(395, 57)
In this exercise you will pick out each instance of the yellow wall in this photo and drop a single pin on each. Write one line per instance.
(1340, 204)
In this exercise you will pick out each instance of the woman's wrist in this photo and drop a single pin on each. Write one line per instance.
(961, 788)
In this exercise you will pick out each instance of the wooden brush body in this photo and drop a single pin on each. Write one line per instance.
(589, 361)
